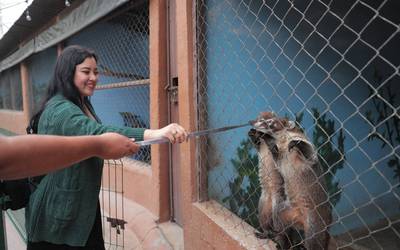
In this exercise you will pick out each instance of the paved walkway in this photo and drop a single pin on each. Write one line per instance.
(141, 232)
(149, 234)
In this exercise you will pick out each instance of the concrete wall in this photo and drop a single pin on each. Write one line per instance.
(14, 121)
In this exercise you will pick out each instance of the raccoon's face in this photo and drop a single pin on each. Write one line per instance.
(303, 148)
(268, 122)
(298, 143)
(268, 128)
(263, 131)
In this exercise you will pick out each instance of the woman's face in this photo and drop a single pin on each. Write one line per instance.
(86, 75)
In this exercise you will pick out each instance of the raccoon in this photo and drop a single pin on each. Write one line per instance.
(294, 197)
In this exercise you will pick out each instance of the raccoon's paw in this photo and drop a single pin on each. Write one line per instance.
(282, 242)
(264, 234)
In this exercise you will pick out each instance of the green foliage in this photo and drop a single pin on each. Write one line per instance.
(385, 120)
(331, 157)
(245, 187)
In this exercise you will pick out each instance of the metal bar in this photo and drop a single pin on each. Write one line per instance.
(160, 140)
(3, 237)
(123, 84)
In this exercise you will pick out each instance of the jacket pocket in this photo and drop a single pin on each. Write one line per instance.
(66, 203)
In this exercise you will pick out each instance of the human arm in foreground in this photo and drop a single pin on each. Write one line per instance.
(32, 155)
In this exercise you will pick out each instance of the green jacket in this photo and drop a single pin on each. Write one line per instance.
(63, 207)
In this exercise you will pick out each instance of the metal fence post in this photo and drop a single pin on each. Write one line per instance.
(2, 232)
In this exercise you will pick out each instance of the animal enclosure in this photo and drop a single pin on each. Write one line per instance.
(329, 65)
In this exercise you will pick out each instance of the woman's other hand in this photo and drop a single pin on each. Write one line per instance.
(115, 146)
(174, 132)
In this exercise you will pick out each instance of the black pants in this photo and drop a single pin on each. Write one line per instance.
(95, 241)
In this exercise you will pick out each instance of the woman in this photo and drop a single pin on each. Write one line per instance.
(64, 211)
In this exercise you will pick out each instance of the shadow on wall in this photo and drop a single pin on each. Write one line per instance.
(385, 119)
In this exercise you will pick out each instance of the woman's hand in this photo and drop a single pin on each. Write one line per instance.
(174, 132)
(115, 146)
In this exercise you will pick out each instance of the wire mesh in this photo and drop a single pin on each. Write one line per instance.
(40, 70)
(332, 67)
(128, 106)
(11, 89)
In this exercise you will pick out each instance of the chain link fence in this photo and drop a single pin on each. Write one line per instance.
(10, 90)
(40, 69)
(332, 67)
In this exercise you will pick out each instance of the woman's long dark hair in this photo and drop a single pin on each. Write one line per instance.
(62, 81)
